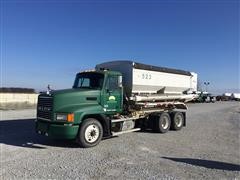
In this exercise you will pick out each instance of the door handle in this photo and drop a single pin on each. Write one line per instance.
(109, 91)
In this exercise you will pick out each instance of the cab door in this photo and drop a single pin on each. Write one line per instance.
(112, 95)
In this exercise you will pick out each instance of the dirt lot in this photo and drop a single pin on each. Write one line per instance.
(208, 148)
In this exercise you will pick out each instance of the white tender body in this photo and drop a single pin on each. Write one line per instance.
(148, 83)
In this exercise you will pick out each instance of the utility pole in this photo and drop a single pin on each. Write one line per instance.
(206, 84)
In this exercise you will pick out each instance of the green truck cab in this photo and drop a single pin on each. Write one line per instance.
(94, 95)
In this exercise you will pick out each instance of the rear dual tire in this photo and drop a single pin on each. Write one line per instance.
(177, 121)
(163, 122)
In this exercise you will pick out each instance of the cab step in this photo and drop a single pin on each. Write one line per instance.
(127, 131)
(123, 119)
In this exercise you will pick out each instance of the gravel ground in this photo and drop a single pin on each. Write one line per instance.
(208, 148)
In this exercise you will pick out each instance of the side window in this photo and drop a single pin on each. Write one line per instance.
(112, 83)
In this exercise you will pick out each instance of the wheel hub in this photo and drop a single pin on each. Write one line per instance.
(91, 133)
(165, 123)
(178, 121)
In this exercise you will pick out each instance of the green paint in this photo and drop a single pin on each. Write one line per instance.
(82, 102)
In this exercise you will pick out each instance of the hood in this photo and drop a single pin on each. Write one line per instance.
(62, 99)
(68, 91)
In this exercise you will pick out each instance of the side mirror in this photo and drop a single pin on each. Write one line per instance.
(120, 81)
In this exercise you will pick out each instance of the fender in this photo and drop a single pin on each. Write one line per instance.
(93, 110)
(82, 110)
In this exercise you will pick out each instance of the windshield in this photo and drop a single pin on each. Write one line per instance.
(89, 80)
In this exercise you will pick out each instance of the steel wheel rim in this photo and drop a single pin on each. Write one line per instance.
(92, 133)
(165, 122)
(178, 121)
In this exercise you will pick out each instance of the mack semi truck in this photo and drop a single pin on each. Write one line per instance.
(116, 97)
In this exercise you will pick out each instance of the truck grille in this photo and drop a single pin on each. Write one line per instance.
(44, 107)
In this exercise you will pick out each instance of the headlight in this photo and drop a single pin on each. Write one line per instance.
(65, 117)
(61, 117)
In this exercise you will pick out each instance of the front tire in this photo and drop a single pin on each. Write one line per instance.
(90, 133)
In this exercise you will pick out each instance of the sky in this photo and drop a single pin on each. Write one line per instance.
(48, 42)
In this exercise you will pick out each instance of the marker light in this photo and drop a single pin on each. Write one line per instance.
(70, 117)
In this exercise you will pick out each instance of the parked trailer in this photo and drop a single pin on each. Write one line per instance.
(115, 98)
(236, 96)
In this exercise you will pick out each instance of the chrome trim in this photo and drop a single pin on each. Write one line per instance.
(123, 119)
(123, 132)
(43, 119)
(45, 97)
